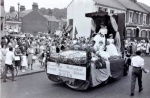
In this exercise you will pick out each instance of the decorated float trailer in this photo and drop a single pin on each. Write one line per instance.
(75, 67)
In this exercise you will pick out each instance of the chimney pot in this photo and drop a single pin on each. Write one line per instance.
(12, 9)
(22, 8)
(50, 13)
(134, 1)
(35, 6)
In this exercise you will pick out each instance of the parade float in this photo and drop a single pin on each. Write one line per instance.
(77, 69)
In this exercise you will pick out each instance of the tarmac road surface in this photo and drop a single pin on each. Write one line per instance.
(38, 86)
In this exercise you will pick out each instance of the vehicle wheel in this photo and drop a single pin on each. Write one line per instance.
(54, 78)
(79, 85)
(105, 82)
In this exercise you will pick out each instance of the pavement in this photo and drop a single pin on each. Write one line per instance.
(36, 69)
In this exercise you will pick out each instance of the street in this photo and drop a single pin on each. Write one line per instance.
(38, 86)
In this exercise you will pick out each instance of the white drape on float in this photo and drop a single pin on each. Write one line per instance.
(117, 37)
(93, 27)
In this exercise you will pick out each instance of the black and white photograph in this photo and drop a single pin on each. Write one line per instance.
(75, 49)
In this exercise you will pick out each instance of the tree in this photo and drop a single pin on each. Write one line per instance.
(58, 13)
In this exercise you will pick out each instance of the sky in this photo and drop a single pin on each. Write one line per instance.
(46, 3)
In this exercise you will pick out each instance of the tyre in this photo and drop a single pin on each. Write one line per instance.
(79, 85)
(54, 78)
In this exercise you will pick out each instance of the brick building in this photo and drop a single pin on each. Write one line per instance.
(137, 15)
(52, 22)
(137, 20)
(30, 21)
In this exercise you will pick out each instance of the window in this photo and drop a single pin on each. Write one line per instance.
(148, 34)
(134, 33)
(129, 33)
(101, 9)
(139, 19)
(135, 17)
(144, 18)
(143, 33)
(71, 22)
(130, 16)
(2, 2)
(111, 11)
(105, 9)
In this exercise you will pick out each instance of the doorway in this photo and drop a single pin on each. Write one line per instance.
(137, 32)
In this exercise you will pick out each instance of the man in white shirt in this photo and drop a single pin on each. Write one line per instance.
(137, 63)
(9, 63)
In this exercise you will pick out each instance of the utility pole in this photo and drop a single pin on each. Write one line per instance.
(18, 10)
(18, 14)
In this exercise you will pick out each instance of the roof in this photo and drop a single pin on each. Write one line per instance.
(70, 3)
(21, 14)
(51, 18)
(146, 7)
(109, 3)
(132, 5)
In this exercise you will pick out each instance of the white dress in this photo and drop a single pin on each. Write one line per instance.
(147, 48)
(139, 47)
(112, 50)
(111, 41)
(24, 61)
(97, 39)
(103, 31)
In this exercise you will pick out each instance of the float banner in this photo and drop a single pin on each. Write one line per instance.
(70, 71)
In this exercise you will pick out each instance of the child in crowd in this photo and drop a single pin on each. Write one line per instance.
(24, 63)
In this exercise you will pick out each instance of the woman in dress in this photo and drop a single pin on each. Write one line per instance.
(30, 52)
(24, 62)
(3, 55)
(18, 54)
(147, 48)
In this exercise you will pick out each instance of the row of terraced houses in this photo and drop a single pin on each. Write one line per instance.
(137, 15)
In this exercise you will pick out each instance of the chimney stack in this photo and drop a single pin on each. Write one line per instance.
(12, 9)
(35, 6)
(135, 1)
(50, 13)
(22, 8)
